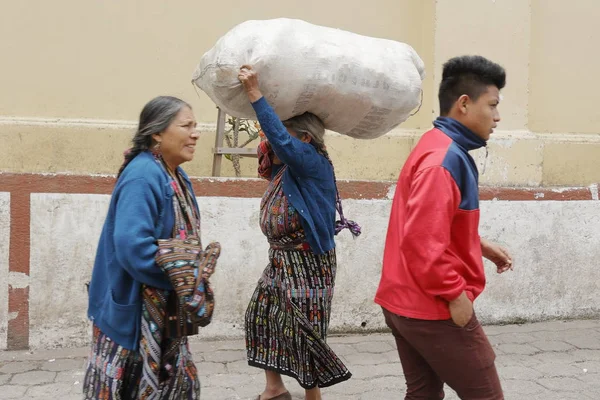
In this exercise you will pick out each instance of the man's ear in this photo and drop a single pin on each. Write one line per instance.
(462, 103)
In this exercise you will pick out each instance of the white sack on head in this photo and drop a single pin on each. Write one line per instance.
(359, 86)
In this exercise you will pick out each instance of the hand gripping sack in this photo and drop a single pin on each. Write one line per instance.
(359, 86)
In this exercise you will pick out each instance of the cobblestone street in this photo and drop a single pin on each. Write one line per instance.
(551, 361)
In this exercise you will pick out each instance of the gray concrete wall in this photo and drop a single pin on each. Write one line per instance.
(555, 245)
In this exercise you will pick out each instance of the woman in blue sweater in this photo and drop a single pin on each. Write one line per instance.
(133, 354)
(288, 315)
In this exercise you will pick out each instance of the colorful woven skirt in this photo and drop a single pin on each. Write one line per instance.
(162, 370)
(288, 316)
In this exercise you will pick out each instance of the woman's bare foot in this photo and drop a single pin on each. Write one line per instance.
(274, 386)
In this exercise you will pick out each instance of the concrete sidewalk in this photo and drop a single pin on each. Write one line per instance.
(551, 361)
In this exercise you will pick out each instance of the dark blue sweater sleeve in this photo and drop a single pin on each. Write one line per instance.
(136, 214)
(301, 157)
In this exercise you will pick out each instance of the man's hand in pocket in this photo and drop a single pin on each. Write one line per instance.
(461, 310)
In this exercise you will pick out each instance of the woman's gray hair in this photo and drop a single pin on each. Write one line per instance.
(308, 124)
(156, 116)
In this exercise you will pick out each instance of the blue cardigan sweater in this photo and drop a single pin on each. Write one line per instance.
(308, 181)
(140, 212)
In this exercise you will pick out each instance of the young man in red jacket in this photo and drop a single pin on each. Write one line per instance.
(432, 264)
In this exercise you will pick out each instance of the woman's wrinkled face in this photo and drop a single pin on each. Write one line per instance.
(178, 141)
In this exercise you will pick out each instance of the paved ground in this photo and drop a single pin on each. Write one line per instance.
(550, 361)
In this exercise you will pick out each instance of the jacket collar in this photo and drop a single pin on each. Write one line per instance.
(459, 133)
(148, 154)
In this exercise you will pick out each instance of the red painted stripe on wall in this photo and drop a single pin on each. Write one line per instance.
(17, 335)
(38, 183)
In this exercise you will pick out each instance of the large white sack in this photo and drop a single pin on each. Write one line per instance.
(359, 86)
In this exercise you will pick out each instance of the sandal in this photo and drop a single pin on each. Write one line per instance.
(283, 396)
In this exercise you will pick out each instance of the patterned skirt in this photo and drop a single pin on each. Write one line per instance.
(288, 316)
(115, 373)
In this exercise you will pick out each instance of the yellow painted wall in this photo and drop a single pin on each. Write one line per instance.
(565, 63)
(105, 59)
(75, 75)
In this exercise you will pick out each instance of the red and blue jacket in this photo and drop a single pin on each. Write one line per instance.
(433, 250)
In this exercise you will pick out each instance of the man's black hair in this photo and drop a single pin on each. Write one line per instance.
(470, 75)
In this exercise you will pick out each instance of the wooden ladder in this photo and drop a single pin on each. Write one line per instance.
(219, 150)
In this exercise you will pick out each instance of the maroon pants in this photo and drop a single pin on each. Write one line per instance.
(436, 352)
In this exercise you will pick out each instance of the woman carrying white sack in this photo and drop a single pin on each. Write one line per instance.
(288, 315)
